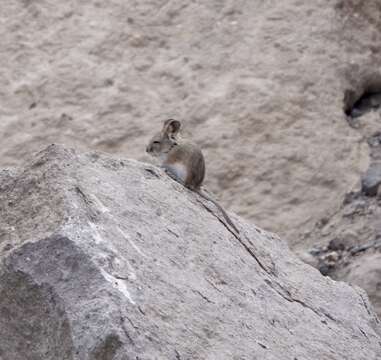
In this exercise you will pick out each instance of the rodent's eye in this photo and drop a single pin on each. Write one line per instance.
(156, 142)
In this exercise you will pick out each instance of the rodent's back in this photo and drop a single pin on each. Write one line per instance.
(190, 155)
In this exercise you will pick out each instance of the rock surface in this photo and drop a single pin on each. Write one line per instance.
(350, 237)
(371, 181)
(351, 244)
(260, 85)
(107, 258)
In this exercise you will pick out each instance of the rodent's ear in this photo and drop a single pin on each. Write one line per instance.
(171, 126)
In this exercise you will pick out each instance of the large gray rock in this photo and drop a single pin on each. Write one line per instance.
(106, 258)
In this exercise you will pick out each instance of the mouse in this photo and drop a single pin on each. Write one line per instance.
(182, 160)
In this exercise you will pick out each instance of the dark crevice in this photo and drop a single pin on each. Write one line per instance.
(278, 288)
(203, 296)
(285, 294)
(126, 330)
(365, 303)
(367, 102)
(178, 356)
(358, 102)
(247, 248)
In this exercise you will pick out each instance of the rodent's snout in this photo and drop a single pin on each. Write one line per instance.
(149, 148)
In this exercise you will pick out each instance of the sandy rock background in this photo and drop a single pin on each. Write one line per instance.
(262, 86)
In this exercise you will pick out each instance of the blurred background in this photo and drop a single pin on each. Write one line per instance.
(282, 96)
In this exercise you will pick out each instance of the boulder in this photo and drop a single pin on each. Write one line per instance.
(109, 258)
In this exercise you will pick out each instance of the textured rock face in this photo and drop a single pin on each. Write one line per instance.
(351, 244)
(350, 237)
(106, 258)
(260, 85)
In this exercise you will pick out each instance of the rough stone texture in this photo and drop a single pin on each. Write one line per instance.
(260, 85)
(263, 87)
(350, 237)
(351, 244)
(371, 180)
(346, 242)
(107, 258)
(365, 271)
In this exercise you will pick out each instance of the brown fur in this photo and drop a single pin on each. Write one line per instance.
(177, 155)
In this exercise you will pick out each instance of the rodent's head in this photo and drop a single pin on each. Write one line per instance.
(162, 142)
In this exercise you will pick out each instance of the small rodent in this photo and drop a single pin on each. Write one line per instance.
(182, 160)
